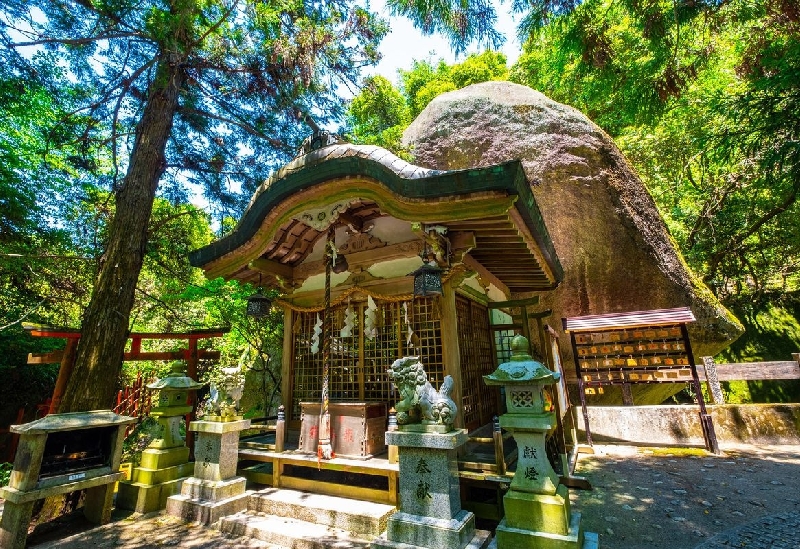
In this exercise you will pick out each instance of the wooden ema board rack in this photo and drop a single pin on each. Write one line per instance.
(637, 355)
(633, 348)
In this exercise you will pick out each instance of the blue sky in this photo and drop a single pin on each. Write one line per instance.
(405, 44)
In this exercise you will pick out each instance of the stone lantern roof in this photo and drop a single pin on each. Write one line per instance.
(176, 380)
(522, 368)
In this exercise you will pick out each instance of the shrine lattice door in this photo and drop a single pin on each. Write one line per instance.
(358, 360)
(480, 402)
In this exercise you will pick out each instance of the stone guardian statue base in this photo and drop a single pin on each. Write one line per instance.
(430, 514)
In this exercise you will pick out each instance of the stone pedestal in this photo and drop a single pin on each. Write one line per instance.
(537, 508)
(430, 514)
(160, 475)
(214, 490)
(162, 470)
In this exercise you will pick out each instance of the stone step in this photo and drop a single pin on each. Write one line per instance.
(364, 519)
(289, 532)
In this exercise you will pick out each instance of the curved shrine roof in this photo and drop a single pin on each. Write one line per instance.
(357, 183)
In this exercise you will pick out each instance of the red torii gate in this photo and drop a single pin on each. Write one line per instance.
(192, 355)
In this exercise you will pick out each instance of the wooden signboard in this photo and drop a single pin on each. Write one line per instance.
(632, 348)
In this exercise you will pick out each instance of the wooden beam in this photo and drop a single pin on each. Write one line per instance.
(538, 314)
(501, 222)
(286, 363)
(530, 301)
(183, 354)
(37, 330)
(501, 233)
(756, 371)
(64, 372)
(52, 357)
(361, 261)
(515, 274)
(269, 266)
(451, 354)
(507, 253)
(487, 276)
(495, 239)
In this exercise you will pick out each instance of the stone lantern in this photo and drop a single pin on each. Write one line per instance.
(165, 462)
(173, 404)
(537, 511)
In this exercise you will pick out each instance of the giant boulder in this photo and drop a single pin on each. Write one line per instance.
(614, 247)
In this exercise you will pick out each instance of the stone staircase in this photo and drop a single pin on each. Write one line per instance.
(303, 520)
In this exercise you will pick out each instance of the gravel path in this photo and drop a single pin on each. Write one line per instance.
(642, 499)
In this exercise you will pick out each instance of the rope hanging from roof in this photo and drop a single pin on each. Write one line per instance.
(358, 289)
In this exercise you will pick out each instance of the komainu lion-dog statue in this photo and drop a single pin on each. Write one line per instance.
(420, 403)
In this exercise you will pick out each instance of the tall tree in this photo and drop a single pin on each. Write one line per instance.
(203, 91)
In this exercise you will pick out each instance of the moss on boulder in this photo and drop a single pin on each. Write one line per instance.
(611, 240)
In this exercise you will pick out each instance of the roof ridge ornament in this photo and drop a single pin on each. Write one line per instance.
(318, 139)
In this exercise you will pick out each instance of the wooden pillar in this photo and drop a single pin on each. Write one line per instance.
(64, 372)
(286, 362)
(191, 371)
(451, 354)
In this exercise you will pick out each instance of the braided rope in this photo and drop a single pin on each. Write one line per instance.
(354, 290)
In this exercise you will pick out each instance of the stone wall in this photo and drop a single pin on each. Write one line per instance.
(680, 425)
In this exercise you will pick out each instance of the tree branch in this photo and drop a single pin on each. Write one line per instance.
(74, 41)
(216, 25)
(23, 317)
(162, 222)
(753, 228)
(246, 127)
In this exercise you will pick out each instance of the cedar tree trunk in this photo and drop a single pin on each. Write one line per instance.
(105, 330)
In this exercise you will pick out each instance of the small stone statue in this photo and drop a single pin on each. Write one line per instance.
(421, 403)
(226, 391)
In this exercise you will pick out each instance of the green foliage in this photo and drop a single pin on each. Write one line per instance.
(255, 344)
(5, 473)
(705, 114)
(380, 113)
(139, 439)
(462, 22)
(25, 387)
(42, 274)
(476, 68)
(772, 332)
(424, 82)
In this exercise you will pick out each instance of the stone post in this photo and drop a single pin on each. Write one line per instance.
(430, 514)
(712, 380)
(214, 491)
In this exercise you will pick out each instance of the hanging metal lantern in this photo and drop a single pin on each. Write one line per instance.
(427, 280)
(258, 305)
(340, 265)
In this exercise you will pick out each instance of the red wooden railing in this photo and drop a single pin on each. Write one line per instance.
(134, 401)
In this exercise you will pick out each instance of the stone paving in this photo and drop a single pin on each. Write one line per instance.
(773, 532)
(748, 497)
